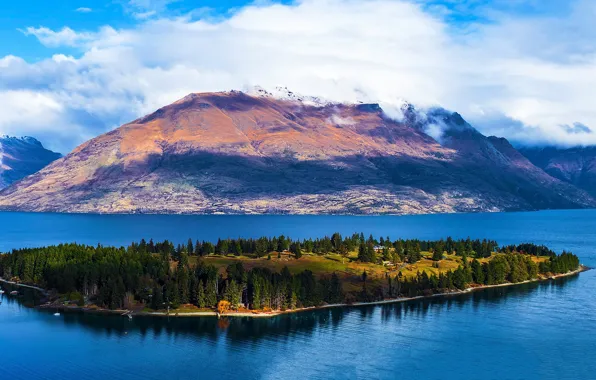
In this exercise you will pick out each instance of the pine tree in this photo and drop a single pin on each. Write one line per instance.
(438, 253)
(477, 272)
(157, 298)
(201, 297)
(189, 247)
(231, 294)
(296, 250)
(211, 293)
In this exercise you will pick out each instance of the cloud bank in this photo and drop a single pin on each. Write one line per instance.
(530, 78)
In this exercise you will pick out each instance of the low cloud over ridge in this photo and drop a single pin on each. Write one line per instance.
(518, 76)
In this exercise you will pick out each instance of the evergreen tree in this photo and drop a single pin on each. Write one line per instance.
(157, 298)
(296, 250)
(189, 247)
(211, 293)
(438, 252)
(201, 297)
(477, 272)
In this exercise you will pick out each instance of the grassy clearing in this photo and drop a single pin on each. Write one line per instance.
(449, 262)
(319, 265)
(348, 269)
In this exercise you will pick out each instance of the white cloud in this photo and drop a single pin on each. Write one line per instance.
(37, 113)
(64, 37)
(84, 10)
(342, 121)
(520, 77)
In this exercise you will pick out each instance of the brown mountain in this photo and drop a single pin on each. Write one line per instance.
(576, 165)
(20, 157)
(236, 153)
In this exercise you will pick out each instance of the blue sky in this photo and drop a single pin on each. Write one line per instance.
(521, 69)
(84, 15)
(92, 14)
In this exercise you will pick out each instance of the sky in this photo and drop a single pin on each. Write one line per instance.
(521, 69)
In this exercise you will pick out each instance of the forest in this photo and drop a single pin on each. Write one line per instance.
(163, 275)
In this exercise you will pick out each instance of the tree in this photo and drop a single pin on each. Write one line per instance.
(211, 293)
(223, 306)
(208, 249)
(183, 280)
(477, 272)
(201, 299)
(438, 252)
(189, 247)
(413, 252)
(116, 277)
(232, 294)
(343, 251)
(296, 250)
(223, 247)
(237, 248)
(366, 253)
(157, 298)
(261, 247)
(459, 278)
(335, 294)
(337, 241)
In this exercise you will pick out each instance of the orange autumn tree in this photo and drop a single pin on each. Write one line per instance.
(223, 306)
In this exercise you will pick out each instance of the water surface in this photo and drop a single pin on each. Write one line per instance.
(531, 331)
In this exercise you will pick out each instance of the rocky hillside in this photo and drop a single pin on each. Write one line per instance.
(575, 165)
(20, 157)
(232, 152)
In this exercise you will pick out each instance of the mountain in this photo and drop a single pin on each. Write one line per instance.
(576, 165)
(20, 157)
(233, 152)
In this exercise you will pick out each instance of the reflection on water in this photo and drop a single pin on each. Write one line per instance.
(244, 329)
(532, 331)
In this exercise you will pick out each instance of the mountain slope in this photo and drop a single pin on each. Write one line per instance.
(20, 157)
(237, 153)
(575, 165)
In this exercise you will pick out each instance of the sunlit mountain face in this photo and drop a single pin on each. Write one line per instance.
(261, 152)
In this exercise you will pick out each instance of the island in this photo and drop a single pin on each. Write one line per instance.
(272, 275)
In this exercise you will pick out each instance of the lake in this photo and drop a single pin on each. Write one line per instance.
(531, 331)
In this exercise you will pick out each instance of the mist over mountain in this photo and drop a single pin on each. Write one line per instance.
(262, 152)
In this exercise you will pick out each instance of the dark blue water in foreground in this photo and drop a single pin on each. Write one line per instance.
(532, 331)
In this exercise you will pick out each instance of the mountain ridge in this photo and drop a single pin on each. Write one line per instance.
(233, 152)
(575, 165)
(22, 156)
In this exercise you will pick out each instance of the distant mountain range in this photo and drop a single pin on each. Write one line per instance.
(576, 165)
(20, 157)
(233, 152)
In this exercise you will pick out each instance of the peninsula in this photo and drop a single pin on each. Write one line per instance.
(269, 276)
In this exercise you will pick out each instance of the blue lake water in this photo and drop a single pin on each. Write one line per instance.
(531, 331)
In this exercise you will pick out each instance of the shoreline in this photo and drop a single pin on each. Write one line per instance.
(42, 290)
(257, 314)
(224, 214)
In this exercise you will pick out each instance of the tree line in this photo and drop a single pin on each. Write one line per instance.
(369, 249)
(159, 275)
